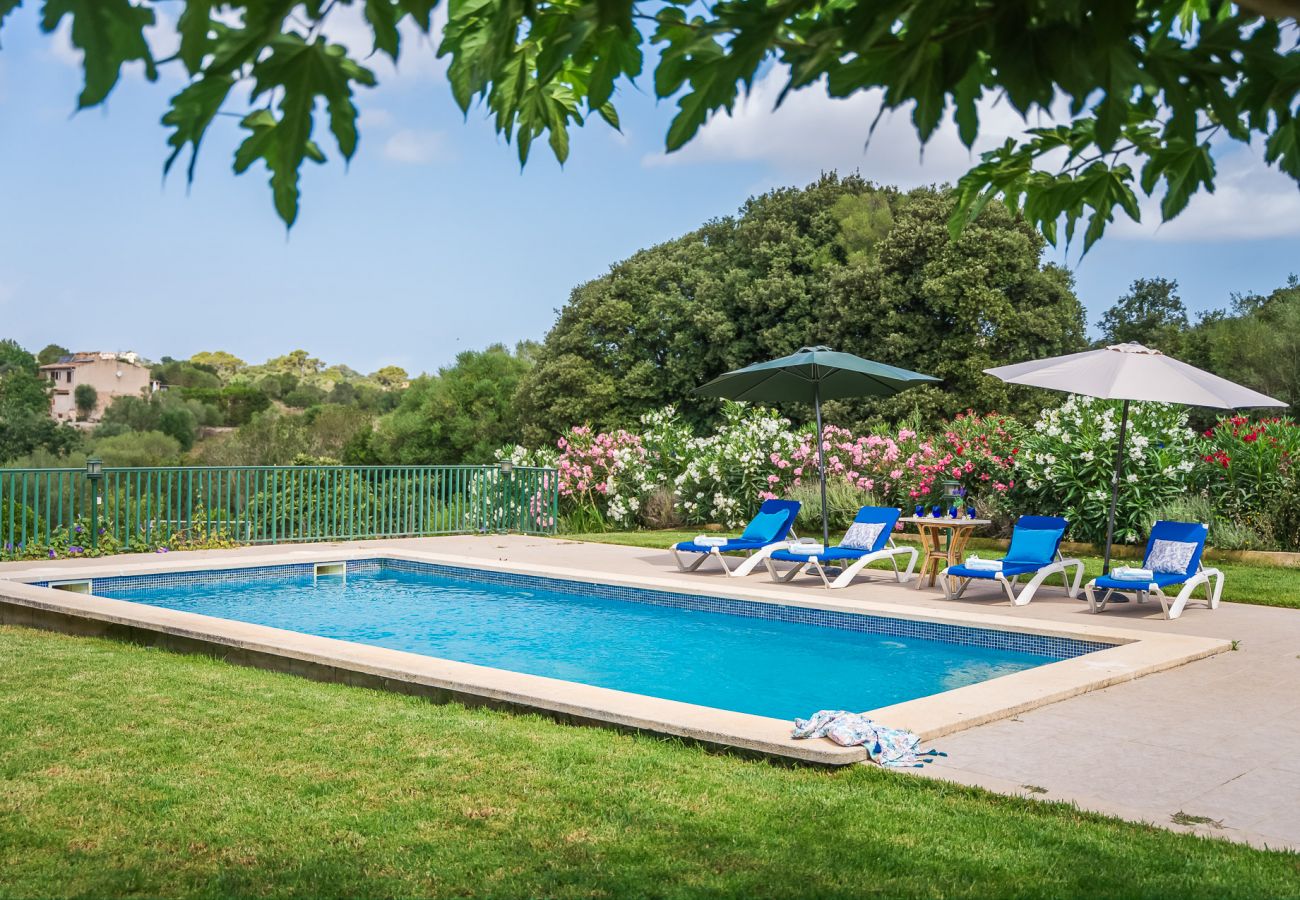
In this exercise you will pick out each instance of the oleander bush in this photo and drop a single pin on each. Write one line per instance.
(1238, 476)
(1068, 457)
(1250, 475)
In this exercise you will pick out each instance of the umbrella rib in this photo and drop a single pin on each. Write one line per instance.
(768, 376)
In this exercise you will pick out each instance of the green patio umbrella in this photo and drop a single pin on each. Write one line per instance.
(811, 375)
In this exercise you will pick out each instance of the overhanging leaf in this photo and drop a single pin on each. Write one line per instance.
(109, 33)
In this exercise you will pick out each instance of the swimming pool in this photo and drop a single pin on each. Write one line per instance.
(752, 657)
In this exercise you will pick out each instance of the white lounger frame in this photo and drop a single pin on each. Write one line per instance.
(742, 566)
(890, 552)
(1060, 567)
(1211, 578)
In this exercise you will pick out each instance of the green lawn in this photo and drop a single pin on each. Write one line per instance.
(130, 771)
(1243, 583)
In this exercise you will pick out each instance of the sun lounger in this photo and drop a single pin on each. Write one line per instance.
(1035, 551)
(773, 525)
(876, 543)
(1173, 556)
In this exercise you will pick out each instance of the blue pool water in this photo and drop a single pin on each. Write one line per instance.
(754, 665)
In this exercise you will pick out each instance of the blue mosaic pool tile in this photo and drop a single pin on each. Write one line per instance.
(1036, 644)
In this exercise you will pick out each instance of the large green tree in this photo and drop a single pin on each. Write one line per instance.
(25, 423)
(800, 267)
(1256, 342)
(1127, 95)
(459, 415)
(1150, 313)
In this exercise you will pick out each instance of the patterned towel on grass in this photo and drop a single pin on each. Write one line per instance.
(890, 747)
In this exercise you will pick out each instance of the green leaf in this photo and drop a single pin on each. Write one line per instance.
(420, 11)
(6, 7)
(1283, 148)
(192, 111)
(965, 112)
(301, 73)
(109, 33)
(1186, 171)
(693, 111)
(195, 29)
(382, 16)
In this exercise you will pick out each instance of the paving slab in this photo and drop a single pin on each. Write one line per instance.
(1218, 738)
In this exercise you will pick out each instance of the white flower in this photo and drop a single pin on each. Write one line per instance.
(1087, 456)
(1131, 478)
(1065, 437)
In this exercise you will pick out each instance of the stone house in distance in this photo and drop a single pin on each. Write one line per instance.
(110, 374)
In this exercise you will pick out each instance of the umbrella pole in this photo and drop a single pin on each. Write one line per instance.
(1114, 490)
(821, 459)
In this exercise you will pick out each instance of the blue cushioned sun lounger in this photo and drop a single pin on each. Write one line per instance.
(1191, 577)
(773, 525)
(857, 558)
(1035, 551)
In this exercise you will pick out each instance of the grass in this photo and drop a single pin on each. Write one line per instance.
(131, 771)
(1261, 585)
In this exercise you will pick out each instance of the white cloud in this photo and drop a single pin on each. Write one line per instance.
(417, 61)
(812, 132)
(1250, 202)
(61, 49)
(164, 40)
(417, 147)
(375, 117)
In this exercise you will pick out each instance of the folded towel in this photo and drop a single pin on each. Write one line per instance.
(1129, 573)
(711, 540)
(984, 565)
(803, 549)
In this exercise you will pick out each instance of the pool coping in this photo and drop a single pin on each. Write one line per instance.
(1134, 653)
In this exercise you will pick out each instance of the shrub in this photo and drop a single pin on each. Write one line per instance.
(137, 448)
(590, 465)
(843, 500)
(1225, 534)
(1068, 459)
(1249, 471)
(85, 397)
(727, 474)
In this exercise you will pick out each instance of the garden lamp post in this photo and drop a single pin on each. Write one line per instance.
(94, 474)
(505, 485)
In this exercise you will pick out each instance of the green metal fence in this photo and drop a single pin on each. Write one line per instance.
(141, 508)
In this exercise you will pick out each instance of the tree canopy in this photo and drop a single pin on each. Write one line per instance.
(461, 414)
(1151, 313)
(799, 267)
(1133, 94)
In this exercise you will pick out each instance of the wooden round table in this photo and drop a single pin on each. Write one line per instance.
(943, 541)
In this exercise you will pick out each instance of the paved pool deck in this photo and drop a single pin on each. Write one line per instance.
(1212, 746)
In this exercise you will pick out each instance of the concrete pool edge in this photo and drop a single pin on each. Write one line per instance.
(1133, 654)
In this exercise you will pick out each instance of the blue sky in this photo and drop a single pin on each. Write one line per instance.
(433, 241)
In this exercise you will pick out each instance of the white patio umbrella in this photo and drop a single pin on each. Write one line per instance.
(1131, 372)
